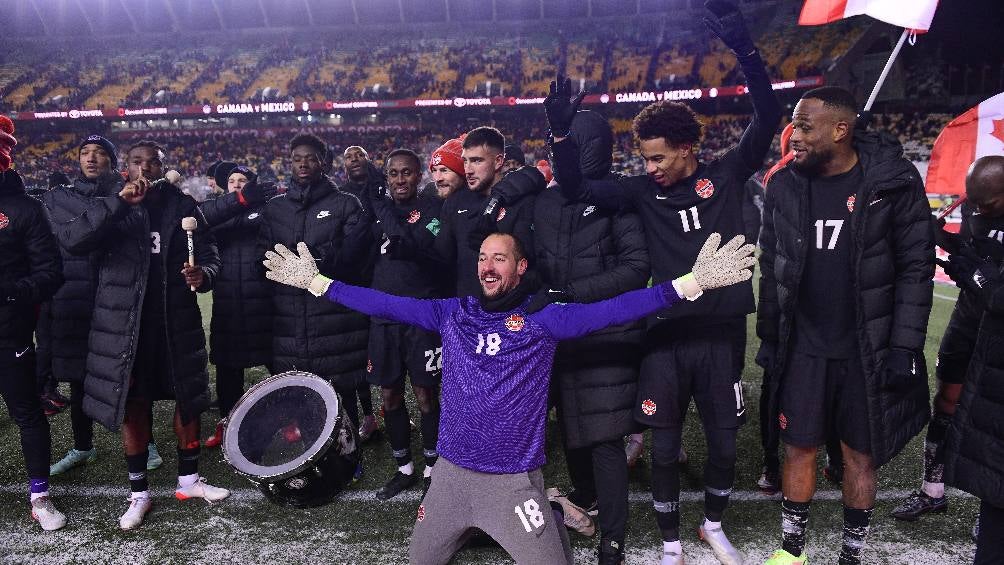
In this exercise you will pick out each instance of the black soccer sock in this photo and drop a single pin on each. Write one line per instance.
(666, 500)
(366, 399)
(794, 519)
(855, 530)
(717, 490)
(188, 461)
(399, 431)
(137, 471)
(430, 435)
(934, 452)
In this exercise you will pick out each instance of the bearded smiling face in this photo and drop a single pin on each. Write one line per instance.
(499, 268)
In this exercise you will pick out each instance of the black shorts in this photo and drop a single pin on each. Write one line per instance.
(705, 367)
(821, 398)
(398, 348)
(958, 341)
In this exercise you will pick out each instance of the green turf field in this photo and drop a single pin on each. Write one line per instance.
(359, 529)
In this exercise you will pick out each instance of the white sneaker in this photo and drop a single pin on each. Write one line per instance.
(201, 489)
(576, 517)
(139, 506)
(671, 558)
(720, 545)
(45, 513)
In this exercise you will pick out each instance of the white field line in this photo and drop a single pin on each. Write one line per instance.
(945, 297)
(414, 495)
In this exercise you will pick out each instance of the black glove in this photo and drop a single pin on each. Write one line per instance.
(560, 106)
(257, 193)
(726, 21)
(766, 355)
(950, 242)
(545, 297)
(485, 223)
(900, 366)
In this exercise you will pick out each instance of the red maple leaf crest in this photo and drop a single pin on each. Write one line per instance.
(998, 131)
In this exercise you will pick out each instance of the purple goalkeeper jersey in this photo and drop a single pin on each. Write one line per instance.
(497, 365)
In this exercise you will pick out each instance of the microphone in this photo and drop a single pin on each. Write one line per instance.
(189, 224)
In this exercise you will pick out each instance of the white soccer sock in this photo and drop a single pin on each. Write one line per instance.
(407, 469)
(187, 480)
(36, 495)
(672, 547)
(427, 472)
(934, 490)
(709, 525)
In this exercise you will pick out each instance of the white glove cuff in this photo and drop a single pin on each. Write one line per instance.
(319, 285)
(687, 287)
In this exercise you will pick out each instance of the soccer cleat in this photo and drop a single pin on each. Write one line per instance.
(782, 557)
(153, 458)
(396, 485)
(51, 407)
(634, 449)
(918, 504)
(45, 513)
(576, 517)
(720, 545)
(215, 439)
(368, 430)
(139, 507)
(201, 489)
(769, 482)
(671, 558)
(73, 458)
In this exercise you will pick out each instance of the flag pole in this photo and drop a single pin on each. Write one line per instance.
(885, 70)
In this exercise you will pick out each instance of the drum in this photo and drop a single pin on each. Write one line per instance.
(291, 437)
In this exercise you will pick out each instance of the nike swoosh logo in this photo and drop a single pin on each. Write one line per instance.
(19, 355)
(554, 291)
(660, 197)
(876, 201)
(461, 211)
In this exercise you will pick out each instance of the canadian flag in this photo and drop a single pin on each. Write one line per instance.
(977, 133)
(911, 14)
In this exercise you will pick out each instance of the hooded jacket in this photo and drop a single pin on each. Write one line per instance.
(592, 254)
(892, 264)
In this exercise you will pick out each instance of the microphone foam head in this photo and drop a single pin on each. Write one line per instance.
(173, 176)
(189, 223)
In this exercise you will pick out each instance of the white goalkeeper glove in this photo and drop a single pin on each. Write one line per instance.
(717, 267)
(287, 268)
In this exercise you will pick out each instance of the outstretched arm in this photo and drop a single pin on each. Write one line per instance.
(569, 321)
(427, 314)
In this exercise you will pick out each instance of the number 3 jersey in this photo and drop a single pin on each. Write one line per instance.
(824, 320)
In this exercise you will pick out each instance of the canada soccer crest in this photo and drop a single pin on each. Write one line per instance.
(437, 159)
(783, 421)
(501, 215)
(850, 203)
(414, 216)
(421, 512)
(4, 220)
(704, 188)
(648, 407)
(514, 323)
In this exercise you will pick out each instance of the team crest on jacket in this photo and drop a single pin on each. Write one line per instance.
(704, 188)
(783, 421)
(4, 220)
(514, 323)
(414, 216)
(850, 203)
(648, 407)
(421, 512)
(501, 215)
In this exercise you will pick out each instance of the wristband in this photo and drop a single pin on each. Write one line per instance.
(687, 287)
(319, 285)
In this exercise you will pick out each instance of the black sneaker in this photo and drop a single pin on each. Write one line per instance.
(918, 504)
(399, 482)
(610, 553)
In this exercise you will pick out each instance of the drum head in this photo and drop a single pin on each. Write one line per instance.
(281, 425)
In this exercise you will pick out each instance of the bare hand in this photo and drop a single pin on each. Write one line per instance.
(134, 191)
(194, 276)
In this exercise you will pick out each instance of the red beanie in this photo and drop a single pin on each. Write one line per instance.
(7, 142)
(449, 154)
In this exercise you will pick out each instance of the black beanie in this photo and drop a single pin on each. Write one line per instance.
(247, 172)
(108, 146)
(515, 153)
(222, 173)
(211, 171)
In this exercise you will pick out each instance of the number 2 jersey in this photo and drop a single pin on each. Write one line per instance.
(497, 365)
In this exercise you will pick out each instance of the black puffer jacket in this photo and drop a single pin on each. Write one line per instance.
(974, 453)
(29, 262)
(241, 331)
(120, 236)
(65, 321)
(314, 334)
(892, 271)
(592, 254)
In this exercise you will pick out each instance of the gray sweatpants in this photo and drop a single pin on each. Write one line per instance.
(512, 509)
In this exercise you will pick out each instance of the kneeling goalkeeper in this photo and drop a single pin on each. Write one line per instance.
(497, 355)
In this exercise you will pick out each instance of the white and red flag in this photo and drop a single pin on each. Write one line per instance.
(977, 133)
(911, 14)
